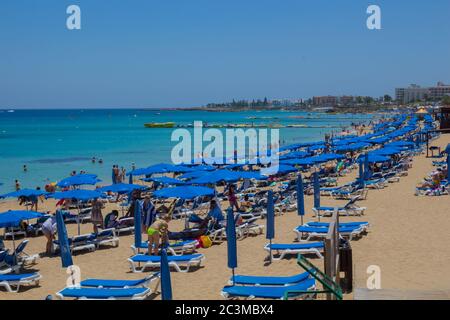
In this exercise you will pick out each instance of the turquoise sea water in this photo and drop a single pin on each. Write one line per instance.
(52, 143)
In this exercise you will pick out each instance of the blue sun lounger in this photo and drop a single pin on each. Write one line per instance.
(174, 261)
(269, 292)
(117, 284)
(363, 224)
(321, 232)
(295, 248)
(104, 293)
(11, 281)
(269, 281)
(178, 248)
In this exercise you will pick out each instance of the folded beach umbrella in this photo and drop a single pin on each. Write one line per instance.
(448, 167)
(231, 241)
(121, 188)
(78, 180)
(165, 181)
(316, 186)
(166, 285)
(184, 192)
(12, 218)
(300, 197)
(270, 219)
(63, 241)
(361, 176)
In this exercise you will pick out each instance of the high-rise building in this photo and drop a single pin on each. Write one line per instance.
(415, 92)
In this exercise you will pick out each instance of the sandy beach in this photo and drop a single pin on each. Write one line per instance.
(408, 240)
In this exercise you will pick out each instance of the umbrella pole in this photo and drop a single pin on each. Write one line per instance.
(78, 218)
(14, 247)
(270, 251)
(232, 270)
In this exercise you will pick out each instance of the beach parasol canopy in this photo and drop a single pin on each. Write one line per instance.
(166, 284)
(316, 186)
(121, 188)
(375, 158)
(193, 175)
(184, 192)
(216, 177)
(24, 193)
(78, 180)
(160, 168)
(63, 241)
(231, 241)
(12, 218)
(82, 195)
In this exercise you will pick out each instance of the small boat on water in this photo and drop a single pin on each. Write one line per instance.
(159, 125)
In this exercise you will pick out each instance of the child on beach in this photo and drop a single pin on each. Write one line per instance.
(158, 232)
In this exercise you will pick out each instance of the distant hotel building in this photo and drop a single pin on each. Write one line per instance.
(415, 92)
(329, 101)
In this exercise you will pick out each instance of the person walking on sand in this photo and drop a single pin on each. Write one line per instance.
(49, 230)
(158, 234)
(232, 199)
(96, 216)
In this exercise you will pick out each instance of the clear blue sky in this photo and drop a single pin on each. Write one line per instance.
(174, 53)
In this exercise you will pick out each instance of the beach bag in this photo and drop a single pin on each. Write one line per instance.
(205, 241)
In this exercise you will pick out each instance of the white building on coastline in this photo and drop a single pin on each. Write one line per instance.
(415, 92)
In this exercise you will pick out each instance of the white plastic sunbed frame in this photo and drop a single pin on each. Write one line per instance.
(175, 264)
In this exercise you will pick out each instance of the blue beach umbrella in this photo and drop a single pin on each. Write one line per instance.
(78, 180)
(13, 218)
(63, 241)
(121, 188)
(448, 168)
(24, 193)
(166, 284)
(316, 186)
(300, 197)
(270, 228)
(137, 225)
(165, 181)
(231, 241)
